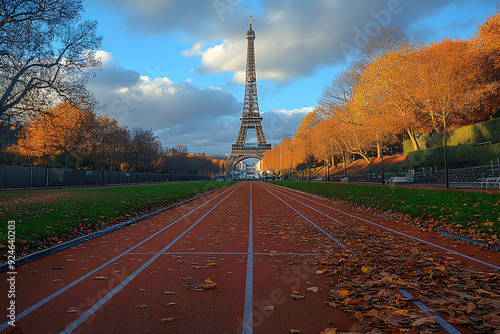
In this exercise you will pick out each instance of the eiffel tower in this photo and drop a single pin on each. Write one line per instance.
(251, 118)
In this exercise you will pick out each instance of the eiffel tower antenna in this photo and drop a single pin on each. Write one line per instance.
(250, 118)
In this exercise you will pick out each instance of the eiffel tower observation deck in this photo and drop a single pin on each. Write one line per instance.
(251, 118)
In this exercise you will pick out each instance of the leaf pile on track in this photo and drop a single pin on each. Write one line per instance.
(365, 279)
(433, 225)
(472, 213)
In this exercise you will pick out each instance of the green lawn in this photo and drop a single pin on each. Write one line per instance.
(463, 209)
(57, 213)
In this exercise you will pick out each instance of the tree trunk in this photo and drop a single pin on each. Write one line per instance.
(413, 140)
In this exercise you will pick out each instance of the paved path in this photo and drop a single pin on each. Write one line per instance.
(241, 260)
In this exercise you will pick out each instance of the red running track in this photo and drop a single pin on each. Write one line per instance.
(254, 240)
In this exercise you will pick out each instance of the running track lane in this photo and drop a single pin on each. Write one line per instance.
(153, 268)
(290, 195)
(470, 254)
(44, 293)
(203, 244)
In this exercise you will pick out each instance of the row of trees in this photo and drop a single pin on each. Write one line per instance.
(77, 137)
(397, 88)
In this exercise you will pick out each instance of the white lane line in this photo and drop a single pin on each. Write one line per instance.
(430, 313)
(70, 285)
(248, 302)
(449, 328)
(103, 300)
(319, 228)
(225, 253)
(404, 234)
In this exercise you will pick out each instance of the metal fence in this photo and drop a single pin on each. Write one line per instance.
(35, 177)
(486, 177)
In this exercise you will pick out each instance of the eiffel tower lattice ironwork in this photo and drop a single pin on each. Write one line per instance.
(251, 118)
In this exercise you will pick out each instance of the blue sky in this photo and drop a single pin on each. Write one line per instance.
(177, 66)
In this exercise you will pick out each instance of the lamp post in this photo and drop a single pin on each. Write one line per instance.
(446, 180)
(280, 164)
(382, 157)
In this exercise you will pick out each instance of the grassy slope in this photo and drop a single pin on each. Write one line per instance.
(56, 213)
(463, 209)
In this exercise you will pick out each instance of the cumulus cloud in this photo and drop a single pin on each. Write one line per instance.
(216, 135)
(281, 122)
(293, 37)
(159, 103)
(194, 51)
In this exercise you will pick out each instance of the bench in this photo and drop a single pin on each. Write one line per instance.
(494, 181)
(344, 179)
(58, 183)
(399, 179)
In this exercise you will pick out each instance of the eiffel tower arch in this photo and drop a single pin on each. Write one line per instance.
(250, 118)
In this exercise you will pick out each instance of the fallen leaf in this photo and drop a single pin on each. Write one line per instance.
(314, 289)
(329, 331)
(169, 319)
(100, 277)
(424, 321)
(209, 284)
(482, 291)
(297, 297)
(343, 293)
(365, 269)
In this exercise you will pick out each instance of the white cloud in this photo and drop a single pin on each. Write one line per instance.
(104, 56)
(179, 113)
(301, 111)
(281, 122)
(293, 37)
(158, 103)
(194, 51)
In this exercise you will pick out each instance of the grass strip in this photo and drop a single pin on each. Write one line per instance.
(41, 214)
(466, 210)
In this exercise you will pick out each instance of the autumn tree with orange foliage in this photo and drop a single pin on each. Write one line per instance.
(396, 88)
(66, 130)
(303, 142)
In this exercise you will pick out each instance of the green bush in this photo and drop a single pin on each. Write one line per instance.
(468, 209)
(488, 131)
(459, 156)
